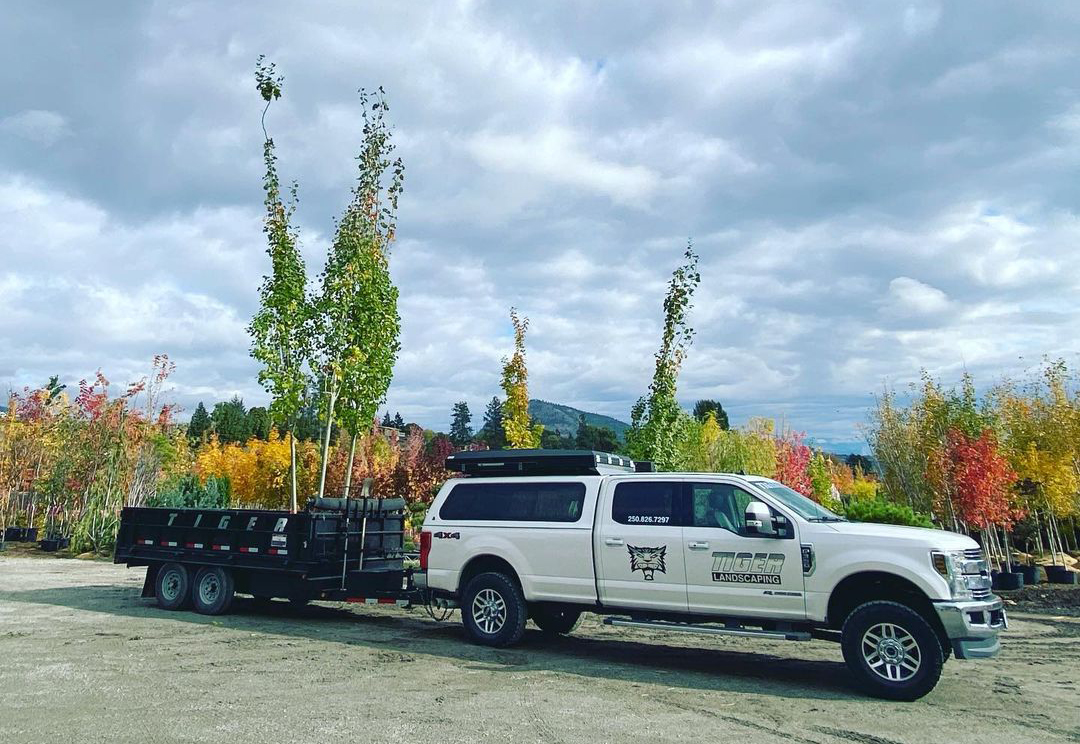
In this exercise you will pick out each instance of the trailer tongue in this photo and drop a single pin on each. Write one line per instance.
(336, 549)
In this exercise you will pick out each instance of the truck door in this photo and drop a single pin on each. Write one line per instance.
(638, 543)
(730, 571)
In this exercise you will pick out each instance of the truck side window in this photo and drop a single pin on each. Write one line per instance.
(514, 502)
(719, 505)
(646, 502)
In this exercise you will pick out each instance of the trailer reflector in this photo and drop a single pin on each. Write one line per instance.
(146, 542)
(249, 550)
(193, 545)
(278, 551)
(168, 544)
(220, 547)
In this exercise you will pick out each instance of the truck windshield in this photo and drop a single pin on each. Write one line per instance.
(807, 509)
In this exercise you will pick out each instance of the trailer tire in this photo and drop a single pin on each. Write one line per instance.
(493, 610)
(892, 650)
(172, 587)
(213, 590)
(555, 619)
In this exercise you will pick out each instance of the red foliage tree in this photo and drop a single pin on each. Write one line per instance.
(792, 461)
(980, 478)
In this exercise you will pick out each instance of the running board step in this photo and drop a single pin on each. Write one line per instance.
(780, 635)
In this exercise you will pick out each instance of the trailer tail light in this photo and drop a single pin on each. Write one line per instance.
(425, 549)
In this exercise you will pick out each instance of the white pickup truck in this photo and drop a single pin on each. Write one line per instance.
(547, 534)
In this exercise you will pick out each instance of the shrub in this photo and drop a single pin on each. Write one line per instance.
(885, 512)
(188, 492)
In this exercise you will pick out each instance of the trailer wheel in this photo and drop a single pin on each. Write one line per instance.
(493, 610)
(556, 620)
(212, 593)
(892, 651)
(172, 587)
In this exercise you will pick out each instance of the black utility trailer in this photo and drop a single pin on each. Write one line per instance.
(336, 549)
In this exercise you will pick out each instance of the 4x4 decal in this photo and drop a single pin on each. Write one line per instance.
(647, 560)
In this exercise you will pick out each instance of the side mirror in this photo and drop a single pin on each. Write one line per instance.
(759, 519)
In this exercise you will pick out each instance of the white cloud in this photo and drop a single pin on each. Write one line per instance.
(910, 296)
(41, 127)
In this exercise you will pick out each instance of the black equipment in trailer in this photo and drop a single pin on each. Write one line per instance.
(336, 549)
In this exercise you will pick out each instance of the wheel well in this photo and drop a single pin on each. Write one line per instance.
(483, 564)
(879, 585)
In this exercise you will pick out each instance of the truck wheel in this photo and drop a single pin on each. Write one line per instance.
(493, 610)
(892, 651)
(555, 620)
(212, 592)
(172, 587)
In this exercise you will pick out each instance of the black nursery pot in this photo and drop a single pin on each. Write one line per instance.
(1009, 581)
(1060, 575)
(49, 545)
(30, 535)
(1031, 575)
(14, 534)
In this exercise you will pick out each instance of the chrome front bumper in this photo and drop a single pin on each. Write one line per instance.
(973, 627)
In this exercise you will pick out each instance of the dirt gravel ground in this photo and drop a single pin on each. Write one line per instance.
(83, 658)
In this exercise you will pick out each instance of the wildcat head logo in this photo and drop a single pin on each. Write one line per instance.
(647, 560)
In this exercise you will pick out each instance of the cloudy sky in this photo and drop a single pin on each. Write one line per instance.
(873, 189)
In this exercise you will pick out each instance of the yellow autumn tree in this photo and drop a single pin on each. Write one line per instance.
(521, 433)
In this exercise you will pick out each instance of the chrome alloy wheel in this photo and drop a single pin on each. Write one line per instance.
(891, 652)
(209, 588)
(489, 611)
(170, 586)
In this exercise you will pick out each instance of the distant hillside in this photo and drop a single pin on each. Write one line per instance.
(564, 419)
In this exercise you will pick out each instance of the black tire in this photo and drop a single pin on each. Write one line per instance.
(911, 642)
(556, 619)
(172, 587)
(212, 591)
(493, 610)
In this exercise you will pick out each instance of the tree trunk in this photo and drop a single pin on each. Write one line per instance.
(292, 466)
(326, 436)
(352, 457)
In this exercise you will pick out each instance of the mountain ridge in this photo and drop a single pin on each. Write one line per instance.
(564, 419)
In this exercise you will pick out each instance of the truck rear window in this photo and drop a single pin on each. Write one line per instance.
(514, 502)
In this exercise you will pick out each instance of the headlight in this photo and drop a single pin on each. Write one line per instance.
(964, 574)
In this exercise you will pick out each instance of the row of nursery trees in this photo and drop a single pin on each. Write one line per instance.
(1005, 464)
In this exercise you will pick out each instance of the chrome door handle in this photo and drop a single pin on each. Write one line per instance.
(615, 541)
(695, 545)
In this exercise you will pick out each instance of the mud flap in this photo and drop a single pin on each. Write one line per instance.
(148, 582)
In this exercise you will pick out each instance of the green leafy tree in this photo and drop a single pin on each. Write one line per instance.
(520, 431)
(259, 422)
(356, 320)
(199, 425)
(704, 407)
(491, 433)
(657, 423)
(599, 438)
(820, 483)
(280, 329)
(230, 421)
(461, 426)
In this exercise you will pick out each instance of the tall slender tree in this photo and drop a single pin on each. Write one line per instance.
(356, 320)
(199, 425)
(657, 422)
(279, 331)
(491, 433)
(520, 431)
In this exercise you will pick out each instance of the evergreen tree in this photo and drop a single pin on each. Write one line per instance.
(231, 422)
(461, 427)
(259, 423)
(492, 431)
(399, 423)
(387, 422)
(200, 424)
(552, 439)
(704, 407)
(599, 438)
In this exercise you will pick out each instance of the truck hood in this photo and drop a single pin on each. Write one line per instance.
(937, 539)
